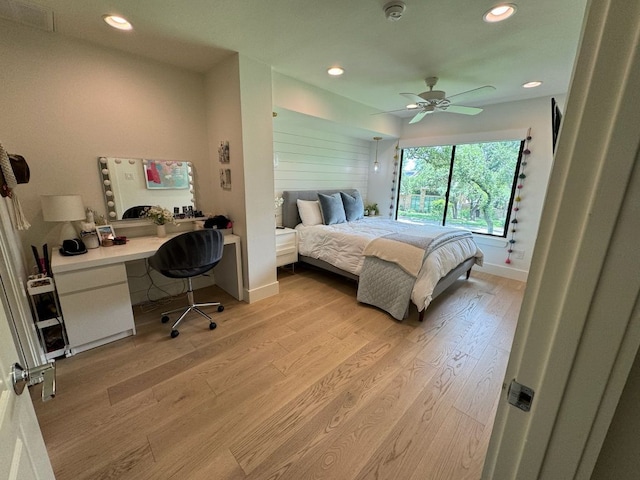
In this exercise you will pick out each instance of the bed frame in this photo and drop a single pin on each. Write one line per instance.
(291, 218)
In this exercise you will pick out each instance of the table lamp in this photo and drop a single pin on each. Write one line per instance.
(63, 208)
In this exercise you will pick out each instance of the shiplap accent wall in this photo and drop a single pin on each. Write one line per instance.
(308, 159)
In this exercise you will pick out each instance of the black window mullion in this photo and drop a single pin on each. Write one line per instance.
(446, 197)
(398, 180)
(513, 188)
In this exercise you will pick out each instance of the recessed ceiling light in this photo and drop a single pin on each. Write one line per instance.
(533, 84)
(335, 71)
(118, 22)
(500, 12)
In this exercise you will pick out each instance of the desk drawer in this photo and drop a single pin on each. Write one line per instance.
(93, 316)
(90, 278)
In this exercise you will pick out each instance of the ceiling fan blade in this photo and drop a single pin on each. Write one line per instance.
(462, 109)
(419, 116)
(413, 98)
(391, 111)
(473, 93)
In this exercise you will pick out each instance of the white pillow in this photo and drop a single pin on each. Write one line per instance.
(309, 211)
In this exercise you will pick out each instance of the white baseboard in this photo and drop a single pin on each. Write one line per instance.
(502, 271)
(261, 293)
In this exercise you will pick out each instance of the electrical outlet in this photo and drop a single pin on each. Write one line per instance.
(519, 254)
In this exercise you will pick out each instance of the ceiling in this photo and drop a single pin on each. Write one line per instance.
(302, 38)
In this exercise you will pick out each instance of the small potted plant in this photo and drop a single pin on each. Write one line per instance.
(372, 209)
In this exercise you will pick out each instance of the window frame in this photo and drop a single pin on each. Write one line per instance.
(453, 146)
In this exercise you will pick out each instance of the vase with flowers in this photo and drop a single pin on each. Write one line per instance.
(160, 217)
(278, 201)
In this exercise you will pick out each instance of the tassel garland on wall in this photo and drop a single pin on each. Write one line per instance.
(518, 198)
(394, 180)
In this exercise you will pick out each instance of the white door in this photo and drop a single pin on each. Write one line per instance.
(23, 455)
(579, 327)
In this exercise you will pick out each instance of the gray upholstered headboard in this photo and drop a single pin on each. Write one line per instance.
(290, 216)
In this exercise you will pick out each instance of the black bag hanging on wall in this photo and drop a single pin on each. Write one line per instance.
(9, 182)
(21, 172)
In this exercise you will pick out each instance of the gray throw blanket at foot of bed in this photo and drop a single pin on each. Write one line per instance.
(392, 263)
(384, 285)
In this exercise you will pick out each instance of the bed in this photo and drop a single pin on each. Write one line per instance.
(355, 248)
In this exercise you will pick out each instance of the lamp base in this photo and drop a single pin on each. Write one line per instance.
(67, 232)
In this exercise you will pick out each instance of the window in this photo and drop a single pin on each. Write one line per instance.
(470, 185)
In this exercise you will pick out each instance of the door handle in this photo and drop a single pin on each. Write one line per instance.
(20, 377)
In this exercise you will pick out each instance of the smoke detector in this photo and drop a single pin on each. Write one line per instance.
(393, 10)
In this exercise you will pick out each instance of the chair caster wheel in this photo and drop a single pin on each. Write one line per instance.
(174, 333)
(212, 326)
(220, 308)
(164, 319)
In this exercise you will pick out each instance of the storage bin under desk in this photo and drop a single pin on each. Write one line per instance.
(95, 305)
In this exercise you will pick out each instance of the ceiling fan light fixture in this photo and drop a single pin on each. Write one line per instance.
(412, 106)
(500, 12)
(533, 84)
(118, 22)
(335, 71)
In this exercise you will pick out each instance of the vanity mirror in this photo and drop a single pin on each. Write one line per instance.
(130, 184)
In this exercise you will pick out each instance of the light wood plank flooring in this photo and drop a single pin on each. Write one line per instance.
(306, 384)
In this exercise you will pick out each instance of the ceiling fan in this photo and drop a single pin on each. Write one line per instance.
(436, 100)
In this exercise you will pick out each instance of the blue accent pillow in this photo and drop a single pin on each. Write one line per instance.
(353, 206)
(332, 208)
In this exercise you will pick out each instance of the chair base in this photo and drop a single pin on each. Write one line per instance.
(192, 307)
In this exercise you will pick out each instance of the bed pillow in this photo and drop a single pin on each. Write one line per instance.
(332, 208)
(353, 206)
(309, 211)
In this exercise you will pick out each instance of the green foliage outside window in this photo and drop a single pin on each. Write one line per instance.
(469, 185)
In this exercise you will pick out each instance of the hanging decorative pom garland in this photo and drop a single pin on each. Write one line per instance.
(518, 198)
(394, 180)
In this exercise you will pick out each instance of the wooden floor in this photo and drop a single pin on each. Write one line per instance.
(306, 384)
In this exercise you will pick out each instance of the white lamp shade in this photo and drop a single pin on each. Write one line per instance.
(62, 208)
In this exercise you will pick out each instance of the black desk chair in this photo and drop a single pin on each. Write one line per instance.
(135, 212)
(185, 256)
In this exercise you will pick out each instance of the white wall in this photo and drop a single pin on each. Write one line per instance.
(239, 111)
(338, 114)
(224, 123)
(381, 187)
(312, 158)
(65, 102)
(257, 139)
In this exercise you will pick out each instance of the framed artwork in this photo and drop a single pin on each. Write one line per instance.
(166, 175)
(223, 152)
(105, 232)
(225, 178)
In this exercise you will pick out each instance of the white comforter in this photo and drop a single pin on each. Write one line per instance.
(342, 246)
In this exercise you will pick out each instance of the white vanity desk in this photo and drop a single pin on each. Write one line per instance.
(94, 291)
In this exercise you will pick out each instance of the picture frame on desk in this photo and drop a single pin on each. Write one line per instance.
(106, 235)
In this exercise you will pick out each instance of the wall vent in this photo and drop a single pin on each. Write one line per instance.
(27, 14)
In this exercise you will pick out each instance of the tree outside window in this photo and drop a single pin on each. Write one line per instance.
(469, 185)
